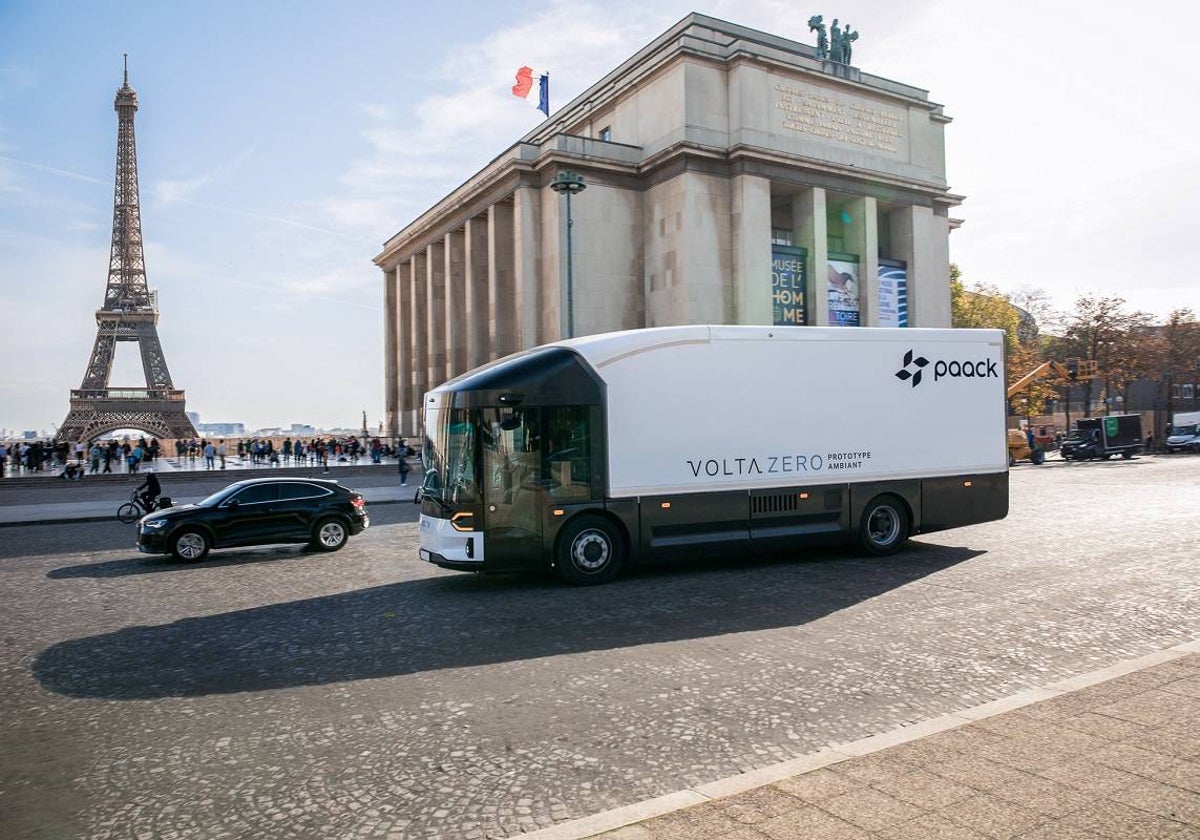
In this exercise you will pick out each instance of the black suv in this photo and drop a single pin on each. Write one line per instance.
(257, 511)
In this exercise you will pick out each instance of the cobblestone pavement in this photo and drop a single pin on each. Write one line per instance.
(279, 693)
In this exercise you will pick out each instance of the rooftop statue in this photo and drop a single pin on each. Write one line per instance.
(815, 23)
(837, 45)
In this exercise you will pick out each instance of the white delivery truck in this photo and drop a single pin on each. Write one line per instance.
(594, 453)
(1185, 432)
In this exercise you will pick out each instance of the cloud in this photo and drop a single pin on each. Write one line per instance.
(166, 191)
(62, 173)
(415, 155)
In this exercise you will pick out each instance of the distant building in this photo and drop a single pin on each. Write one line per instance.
(220, 429)
(732, 177)
(303, 430)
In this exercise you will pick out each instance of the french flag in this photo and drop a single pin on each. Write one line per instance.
(524, 87)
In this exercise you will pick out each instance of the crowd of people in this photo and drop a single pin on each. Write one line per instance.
(74, 461)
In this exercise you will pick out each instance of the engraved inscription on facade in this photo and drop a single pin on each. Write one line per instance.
(810, 112)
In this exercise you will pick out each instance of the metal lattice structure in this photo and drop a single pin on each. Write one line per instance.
(129, 313)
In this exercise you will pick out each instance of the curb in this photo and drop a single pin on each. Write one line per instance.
(628, 815)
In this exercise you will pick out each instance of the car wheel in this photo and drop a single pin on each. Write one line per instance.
(190, 545)
(884, 526)
(590, 551)
(1126, 454)
(330, 534)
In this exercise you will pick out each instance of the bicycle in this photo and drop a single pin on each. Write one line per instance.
(134, 509)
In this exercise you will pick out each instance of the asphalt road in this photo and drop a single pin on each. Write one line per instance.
(283, 693)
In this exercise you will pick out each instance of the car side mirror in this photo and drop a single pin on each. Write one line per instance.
(417, 497)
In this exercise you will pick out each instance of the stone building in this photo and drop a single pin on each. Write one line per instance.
(732, 176)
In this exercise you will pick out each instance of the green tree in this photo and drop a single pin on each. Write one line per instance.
(981, 306)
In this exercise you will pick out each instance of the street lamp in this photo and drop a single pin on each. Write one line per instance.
(569, 183)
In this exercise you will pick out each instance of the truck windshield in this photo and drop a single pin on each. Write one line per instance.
(1186, 430)
(448, 456)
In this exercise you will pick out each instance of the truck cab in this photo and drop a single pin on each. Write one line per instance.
(1184, 438)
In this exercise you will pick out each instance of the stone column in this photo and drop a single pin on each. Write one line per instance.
(501, 293)
(435, 304)
(751, 223)
(811, 232)
(922, 239)
(865, 228)
(391, 383)
(456, 303)
(477, 314)
(405, 401)
(418, 332)
(526, 264)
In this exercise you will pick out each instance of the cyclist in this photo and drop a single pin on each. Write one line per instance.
(152, 490)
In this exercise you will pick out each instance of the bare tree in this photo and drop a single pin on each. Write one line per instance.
(1101, 330)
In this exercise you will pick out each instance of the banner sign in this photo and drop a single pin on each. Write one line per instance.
(843, 290)
(893, 294)
(788, 280)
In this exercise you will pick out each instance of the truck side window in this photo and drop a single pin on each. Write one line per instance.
(568, 452)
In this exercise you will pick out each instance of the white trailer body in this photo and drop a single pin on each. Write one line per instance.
(595, 452)
(745, 407)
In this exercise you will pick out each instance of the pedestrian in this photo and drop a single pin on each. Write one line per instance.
(403, 469)
(110, 452)
(3, 458)
(1150, 442)
(94, 455)
(210, 453)
(221, 452)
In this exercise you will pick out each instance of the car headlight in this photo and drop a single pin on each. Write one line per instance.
(154, 524)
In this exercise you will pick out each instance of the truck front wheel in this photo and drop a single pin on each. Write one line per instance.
(590, 551)
(884, 526)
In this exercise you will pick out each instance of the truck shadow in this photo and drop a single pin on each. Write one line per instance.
(457, 621)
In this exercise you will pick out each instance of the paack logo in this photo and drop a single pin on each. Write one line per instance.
(954, 369)
(904, 373)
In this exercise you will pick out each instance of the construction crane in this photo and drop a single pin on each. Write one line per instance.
(1074, 369)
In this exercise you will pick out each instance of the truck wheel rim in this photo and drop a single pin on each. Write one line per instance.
(332, 534)
(190, 546)
(590, 551)
(883, 526)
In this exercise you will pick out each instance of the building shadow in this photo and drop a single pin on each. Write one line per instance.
(457, 621)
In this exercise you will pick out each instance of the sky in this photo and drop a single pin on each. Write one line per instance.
(281, 143)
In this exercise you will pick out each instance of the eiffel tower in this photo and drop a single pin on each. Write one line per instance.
(129, 313)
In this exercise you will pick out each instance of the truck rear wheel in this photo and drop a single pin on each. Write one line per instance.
(884, 526)
(590, 551)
